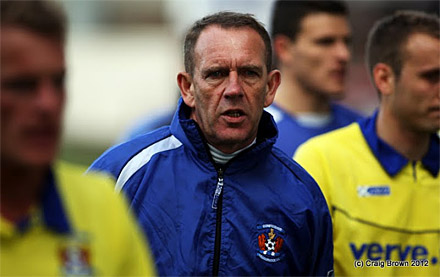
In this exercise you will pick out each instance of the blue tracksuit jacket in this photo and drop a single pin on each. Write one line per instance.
(260, 214)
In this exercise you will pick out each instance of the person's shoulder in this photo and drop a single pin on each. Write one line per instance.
(73, 178)
(297, 171)
(84, 193)
(346, 112)
(139, 142)
(149, 124)
(301, 177)
(114, 158)
(335, 138)
(277, 113)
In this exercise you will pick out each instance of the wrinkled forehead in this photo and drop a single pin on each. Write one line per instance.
(217, 43)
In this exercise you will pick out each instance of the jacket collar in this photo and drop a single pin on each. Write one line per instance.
(53, 213)
(188, 132)
(392, 161)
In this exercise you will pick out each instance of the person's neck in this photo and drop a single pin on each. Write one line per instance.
(20, 189)
(222, 158)
(295, 99)
(231, 148)
(411, 144)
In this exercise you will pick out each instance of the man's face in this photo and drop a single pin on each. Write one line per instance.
(416, 97)
(32, 97)
(320, 54)
(230, 86)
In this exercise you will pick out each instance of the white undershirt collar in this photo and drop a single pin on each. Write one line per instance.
(222, 158)
(313, 120)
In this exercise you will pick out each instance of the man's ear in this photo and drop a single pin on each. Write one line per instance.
(384, 78)
(184, 81)
(281, 47)
(273, 81)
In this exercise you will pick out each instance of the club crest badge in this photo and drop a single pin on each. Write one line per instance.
(270, 242)
(75, 258)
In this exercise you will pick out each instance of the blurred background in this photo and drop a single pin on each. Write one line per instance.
(123, 57)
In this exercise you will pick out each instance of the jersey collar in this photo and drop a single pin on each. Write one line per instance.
(392, 161)
(53, 214)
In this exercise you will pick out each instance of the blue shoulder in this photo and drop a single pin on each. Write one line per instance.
(115, 158)
(301, 174)
(149, 124)
(347, 113)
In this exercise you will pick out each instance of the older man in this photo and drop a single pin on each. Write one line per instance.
(212, 194)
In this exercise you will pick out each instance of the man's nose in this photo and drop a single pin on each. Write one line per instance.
(343, 51)
(49, 96)
(233, 87)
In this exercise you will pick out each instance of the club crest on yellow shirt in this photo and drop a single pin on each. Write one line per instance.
(75, 256)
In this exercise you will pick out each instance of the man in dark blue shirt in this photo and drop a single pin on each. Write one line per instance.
(311, 45)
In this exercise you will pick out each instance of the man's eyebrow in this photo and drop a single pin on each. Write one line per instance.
(256, 68)
(213, 69)
(432, 71)
(431, 75)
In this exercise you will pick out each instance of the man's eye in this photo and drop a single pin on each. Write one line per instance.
(20, 85)
(325, 41)
(251, 73)
(432, 76)
(216, 74)
(58, 81)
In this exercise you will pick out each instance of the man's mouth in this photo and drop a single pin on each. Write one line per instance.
(42, 134)
(434, 110)
(233, 113)
(234, 116)
(339, 73)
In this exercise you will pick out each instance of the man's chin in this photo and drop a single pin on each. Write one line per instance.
(231, 144)
(336, 94)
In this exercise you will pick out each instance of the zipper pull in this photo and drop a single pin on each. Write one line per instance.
(218, 189)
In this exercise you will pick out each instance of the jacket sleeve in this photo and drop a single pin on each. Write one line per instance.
(322, 232)
(322, 264)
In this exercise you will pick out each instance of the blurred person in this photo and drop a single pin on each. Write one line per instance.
(212, 194)
(380, 176)
(150, 122)
(54, 220)
(311, 41)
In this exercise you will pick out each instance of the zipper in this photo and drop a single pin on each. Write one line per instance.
(217, 205)
(218, 189)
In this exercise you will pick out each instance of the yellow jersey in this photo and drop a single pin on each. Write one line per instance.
(82, 227)
(385, 209)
